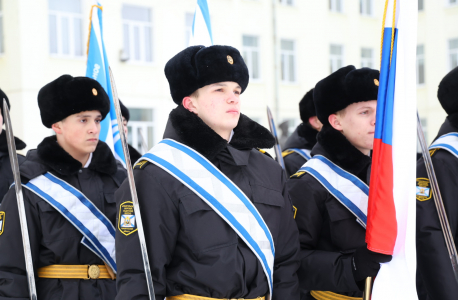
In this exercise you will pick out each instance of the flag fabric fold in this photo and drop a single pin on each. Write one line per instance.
(391, 209)
(97, 68)
(201, 33)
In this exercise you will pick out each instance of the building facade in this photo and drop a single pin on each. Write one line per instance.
(43, 39)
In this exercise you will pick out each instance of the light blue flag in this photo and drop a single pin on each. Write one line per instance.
(97, 68)
(201, 26)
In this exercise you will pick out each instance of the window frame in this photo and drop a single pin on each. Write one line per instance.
(363, 4)
(187, 29)
(420, 58)
(294, 54)
(452, 52)
(449, 4)
(423, 5)
(129, 57)
(333, 7)
(249, 58)
(70, 16)
(371, 59)
(331, 56)
(133, 126)
(285, 3)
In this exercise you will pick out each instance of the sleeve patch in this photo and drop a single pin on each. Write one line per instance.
(126, 218)
(141, 164)
(423, 191)
(295, 211)
(287, 152)
(2, 222)
(298, 174)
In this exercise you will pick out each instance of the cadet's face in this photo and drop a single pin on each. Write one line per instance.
(78, 134)
(218, 105)
(357, 124)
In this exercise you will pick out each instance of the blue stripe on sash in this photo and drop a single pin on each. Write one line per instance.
(301, 152)
(337, 193)
(75, 223)
(84, 200)
(448, 147)
(355, 180)
(212, 200)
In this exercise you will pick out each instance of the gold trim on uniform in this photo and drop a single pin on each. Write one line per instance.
(140, 164)
(287, 152)
(298, 174)
(321, 295)
(76, 272)
(2, 222)
(192, 297)
(295, 211)
(126, 218)
(423, 191)
(432, 151)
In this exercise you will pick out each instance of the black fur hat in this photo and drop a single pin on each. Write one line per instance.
(448, 92)
(198, 66)
(307, 107)
(68, 95)
(345, 86)
(3, 96)
(124, 111)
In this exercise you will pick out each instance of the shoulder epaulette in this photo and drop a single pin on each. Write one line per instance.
(432, 151)
(141, 164)
(264, 152)
(298, 174)
(287, 152)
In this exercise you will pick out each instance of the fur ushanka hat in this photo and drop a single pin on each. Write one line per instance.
(68, 95)
(307, 107)
(448, 92)
(3, 96)
(198, 66)
(345, 86)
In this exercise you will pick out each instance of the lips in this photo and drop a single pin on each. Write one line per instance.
(233, 111)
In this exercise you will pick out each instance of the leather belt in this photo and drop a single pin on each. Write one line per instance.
(321, 295)
(76, 272)
(192, 297)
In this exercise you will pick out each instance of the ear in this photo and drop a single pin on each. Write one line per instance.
(57, 127)
(315, 123)
(188, 103)
(334, 120)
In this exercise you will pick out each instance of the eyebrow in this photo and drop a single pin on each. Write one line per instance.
(223, 84)
(88, 116)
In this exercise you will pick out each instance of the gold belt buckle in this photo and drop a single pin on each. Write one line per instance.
(93, 272)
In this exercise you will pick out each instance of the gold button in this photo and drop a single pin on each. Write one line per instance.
(93, 272)
(376, 82)
(230, 60)
(94, 91)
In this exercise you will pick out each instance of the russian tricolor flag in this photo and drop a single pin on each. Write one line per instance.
(391, 208)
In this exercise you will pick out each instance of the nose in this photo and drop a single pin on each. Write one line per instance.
(94, 128)
(232, 99)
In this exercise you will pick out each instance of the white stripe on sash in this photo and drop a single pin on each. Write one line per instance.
(305, 153)
(99, 233)
(447, 142)
(221, 194)
(348, 189)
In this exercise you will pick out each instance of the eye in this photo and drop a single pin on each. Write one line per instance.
(237, 92)
(98, 121)
(83, 120)
(219, 90)
(365, 112)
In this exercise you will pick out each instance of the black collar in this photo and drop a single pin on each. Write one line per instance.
(187, 128)
(304, 137)
(56, 158)
(450, 125)
(333, 145)
(4, 144)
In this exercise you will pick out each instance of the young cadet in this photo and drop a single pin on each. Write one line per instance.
(68, 186)
(6, 175)
(435, 276)
(300, 143)
(334, 258)
(134, 154)
(214, 208)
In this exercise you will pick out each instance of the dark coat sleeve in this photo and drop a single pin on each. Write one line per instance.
(161, 224)
(286, 282)
(293, 162)
(319, 270)
(433, 261)
(13, 276)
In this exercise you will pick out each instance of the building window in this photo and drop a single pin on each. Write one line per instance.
(336, 57)
(141, 129)
(424, 126)
(65, 28)
(367, 58)
(365, 7)
(189, 19)
(421, 5)
(452, 2)
(1, 28)
(251, 55)
(288, 61)
(287, 2)
(336, 5)
(138, 33)
(420, 64)
(453, 50)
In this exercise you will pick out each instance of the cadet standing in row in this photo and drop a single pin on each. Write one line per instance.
(68, 185)
(435, 274)
(334, 258)
(300, 143)
(217, 217)
(6, 176)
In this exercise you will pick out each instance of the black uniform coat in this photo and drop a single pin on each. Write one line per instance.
(435, 273)
(191, 249)
(6, 175)
(53, 239)
(328, 231)
(304, 137)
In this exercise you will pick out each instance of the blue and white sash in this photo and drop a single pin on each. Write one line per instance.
(221, 194)
(348, 189)
(98, 232)
(447, 142)
(305, 153)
